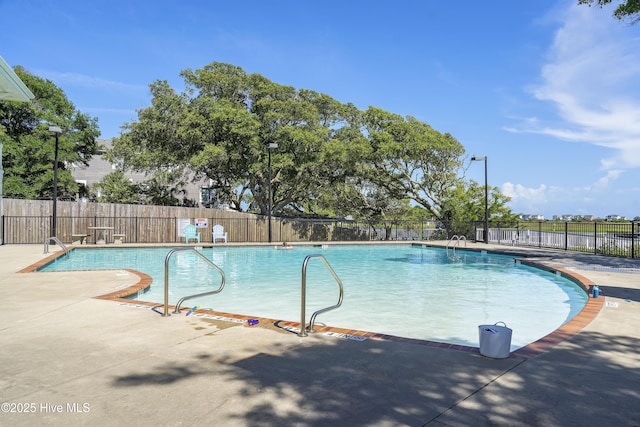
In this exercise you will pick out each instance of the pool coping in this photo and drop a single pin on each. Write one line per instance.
(588, 313)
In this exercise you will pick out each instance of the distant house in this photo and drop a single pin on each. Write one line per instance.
(99, 167)
(567, 217)
(532, 217)
(588, 217)
(615, 217)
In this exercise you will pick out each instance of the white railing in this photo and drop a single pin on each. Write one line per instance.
(556, 239)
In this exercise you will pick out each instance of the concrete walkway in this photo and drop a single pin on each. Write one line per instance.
(67, 358)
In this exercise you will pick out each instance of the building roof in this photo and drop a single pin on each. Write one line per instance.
(11, 87)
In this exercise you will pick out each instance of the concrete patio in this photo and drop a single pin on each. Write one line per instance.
(67, 358)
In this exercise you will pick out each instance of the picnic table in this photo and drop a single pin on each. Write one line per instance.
(79, 239)
(102, 234)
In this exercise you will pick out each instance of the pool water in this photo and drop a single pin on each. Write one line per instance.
(403, 290)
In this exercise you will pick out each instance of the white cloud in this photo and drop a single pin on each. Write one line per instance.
(530, 198)
(604, 183)
(444, 75)
(592, 199)
(544, 194)
(82, 80)
(592, 77)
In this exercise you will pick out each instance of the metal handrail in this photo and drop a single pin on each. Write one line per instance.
(55, 239)
(303, 298)
(166, 280)
(457, 238)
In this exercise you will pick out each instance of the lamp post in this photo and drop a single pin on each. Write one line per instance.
(486, 197)
(270, 146)
(56, 131)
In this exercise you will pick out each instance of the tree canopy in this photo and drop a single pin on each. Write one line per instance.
(465, 204)
(326, 157)
(250, 138)
(28, 146)
(627, 9)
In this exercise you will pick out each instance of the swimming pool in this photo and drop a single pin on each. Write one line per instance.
(404, 290)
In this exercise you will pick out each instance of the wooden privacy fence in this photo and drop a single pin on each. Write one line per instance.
(167, 230)
(31, 221)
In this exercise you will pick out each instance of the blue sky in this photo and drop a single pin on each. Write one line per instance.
(548, 90)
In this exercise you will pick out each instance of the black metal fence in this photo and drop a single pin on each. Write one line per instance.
(619, 239)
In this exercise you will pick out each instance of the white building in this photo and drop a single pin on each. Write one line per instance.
(532, 217)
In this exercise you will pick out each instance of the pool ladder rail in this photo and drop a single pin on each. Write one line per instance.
(58, 242)
(304, 329)
(455, 241)
(202, 294)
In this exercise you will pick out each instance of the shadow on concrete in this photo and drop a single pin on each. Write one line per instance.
(165, 375)
(620, 292)
(374, 382)
(589, 382)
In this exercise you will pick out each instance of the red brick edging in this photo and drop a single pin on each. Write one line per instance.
(566, 331)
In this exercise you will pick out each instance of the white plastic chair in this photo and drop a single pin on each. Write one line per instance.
(218, 233)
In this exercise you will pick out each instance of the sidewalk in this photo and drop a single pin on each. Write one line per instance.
(67, 358)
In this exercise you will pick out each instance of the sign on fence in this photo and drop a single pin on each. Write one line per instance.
(182, 223)
(202, 223)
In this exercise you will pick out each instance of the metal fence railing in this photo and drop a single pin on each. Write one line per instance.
(620, 239)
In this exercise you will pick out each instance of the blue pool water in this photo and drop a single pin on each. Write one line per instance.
(403, 290)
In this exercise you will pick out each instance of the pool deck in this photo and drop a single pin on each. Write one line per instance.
(69, 358)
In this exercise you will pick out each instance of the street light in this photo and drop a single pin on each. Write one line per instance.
(56, 130)
(270, 146)
(486, 197)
